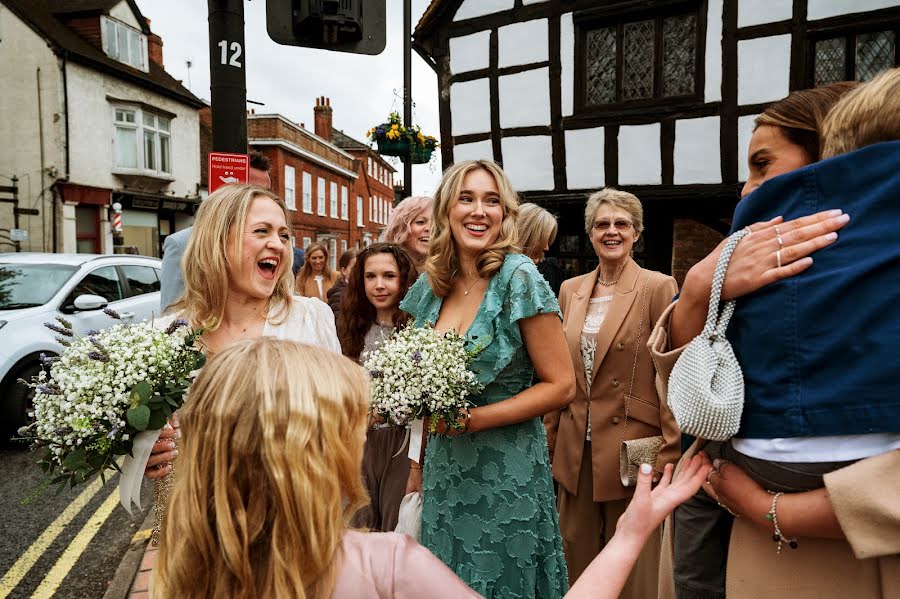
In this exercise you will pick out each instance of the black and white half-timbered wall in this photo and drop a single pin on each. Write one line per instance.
(656, 97)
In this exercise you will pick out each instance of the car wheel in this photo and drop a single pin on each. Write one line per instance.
(19, 398)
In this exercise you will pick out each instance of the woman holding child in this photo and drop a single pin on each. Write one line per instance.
(814, 465)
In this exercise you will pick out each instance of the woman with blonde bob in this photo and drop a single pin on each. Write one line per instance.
(237, 275)
(270, 479)
(537, 231)
(409, 226)
(488, 508)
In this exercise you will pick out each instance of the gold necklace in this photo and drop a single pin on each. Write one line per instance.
(466, 292)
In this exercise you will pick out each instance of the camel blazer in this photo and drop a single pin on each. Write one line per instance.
(621, 334)
(866, 500)
(312, 290)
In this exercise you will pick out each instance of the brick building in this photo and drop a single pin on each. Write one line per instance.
(332, 197)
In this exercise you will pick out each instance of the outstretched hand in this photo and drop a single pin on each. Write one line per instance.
(649, 507)
(164, 452)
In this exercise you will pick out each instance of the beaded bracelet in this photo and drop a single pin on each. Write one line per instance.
(773, 517)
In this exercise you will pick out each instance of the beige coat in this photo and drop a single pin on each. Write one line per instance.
(866, 499)
(311, 289)
(620, 335)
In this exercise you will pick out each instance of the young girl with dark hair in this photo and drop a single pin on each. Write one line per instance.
(371, 313)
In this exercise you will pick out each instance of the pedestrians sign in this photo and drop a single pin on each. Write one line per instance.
(18, 234)
(225, 168)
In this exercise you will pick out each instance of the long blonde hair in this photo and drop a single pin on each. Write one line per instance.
(204, 265)
(442, 264)
(269, 474)
(306, 271)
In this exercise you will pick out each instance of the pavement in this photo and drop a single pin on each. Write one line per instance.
(132, 578)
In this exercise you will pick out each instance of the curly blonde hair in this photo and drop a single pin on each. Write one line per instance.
(867, 115)
(442, 264)
(537, 229)
(205, 262)
(268, 474)
(408, 210)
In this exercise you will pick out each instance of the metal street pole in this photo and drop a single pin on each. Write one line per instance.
(407, 90)
(228, 76)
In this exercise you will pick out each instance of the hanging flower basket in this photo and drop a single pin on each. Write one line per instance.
(393, 139)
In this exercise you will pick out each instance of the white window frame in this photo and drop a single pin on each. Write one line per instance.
(345, 203)
(136, 43)
(320, 201)
(343, 246)
(307, 193)
(359, 211)
(332, 249)
(290, 184)
(306, 242)
(334, 199)
(161, 130)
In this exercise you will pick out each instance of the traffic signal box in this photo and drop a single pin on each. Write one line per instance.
(356, 26)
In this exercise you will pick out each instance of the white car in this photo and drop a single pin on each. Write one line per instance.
(36, 288)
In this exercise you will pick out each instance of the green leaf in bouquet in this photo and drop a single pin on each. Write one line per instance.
(74, 460)
(168, 410)
(157, 420)
(138, 417)
(141, 393)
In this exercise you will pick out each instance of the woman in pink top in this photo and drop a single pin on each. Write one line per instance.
(269, 477)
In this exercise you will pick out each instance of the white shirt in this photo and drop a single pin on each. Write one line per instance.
(807, 450)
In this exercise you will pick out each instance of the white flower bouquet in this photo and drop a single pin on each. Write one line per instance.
(104, 390)
(417, 374)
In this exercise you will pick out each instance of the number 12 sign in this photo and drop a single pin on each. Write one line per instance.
(225, 168)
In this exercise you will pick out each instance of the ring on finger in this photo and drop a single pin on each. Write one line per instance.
(778, 257)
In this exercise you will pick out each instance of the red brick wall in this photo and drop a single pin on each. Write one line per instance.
(692, 242)
(88, 28)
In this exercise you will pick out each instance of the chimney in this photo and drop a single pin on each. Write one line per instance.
(322, 113)
(154, 49)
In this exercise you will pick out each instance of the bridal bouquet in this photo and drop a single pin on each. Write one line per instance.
(417, 373)
(104, 391)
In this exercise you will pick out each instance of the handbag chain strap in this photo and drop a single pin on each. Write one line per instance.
(712, 329)
(637, 351)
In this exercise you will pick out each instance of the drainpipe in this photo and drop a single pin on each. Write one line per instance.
(66, 174)
(41, 144)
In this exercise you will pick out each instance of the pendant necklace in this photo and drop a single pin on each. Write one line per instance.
(466, 292)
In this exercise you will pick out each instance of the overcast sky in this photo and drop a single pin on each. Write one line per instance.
(288, 79)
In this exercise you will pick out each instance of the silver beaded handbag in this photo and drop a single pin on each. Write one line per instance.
(706, 387)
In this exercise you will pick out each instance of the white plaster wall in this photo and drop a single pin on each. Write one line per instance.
(697, 156)
(639, 155)
(757, 12)
(584, 158)
(529, 162)
(522, 43)
(476, 8)
(525, 98)
(745, 132)
(479, 150)
(567, 60)
(22, 53)
(712, 88)
(822, 9)
(470, 107)
(122, 12)
(92, 131)
(470, 52)
(764, 69)
(68, 233)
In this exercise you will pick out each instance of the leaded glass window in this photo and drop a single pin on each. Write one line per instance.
(601, 67)
(637, 52)
(858, 56)
(640, 59)
(830, 61)
(679, 55)
(874, 53)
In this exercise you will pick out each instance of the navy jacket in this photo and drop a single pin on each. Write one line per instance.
(821, 351)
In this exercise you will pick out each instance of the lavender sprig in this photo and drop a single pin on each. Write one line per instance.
(112, 313)
(100, 357)
(58, 329)
(176, 324)
(64, 322)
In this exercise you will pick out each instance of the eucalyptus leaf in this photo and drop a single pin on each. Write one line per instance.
(138, 417)
(142, 392)
(156, 421)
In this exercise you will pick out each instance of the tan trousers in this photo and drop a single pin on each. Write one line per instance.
(587, 526)
(385, 470)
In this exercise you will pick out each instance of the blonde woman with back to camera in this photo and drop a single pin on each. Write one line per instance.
(237, 274)
(273, 445)
(607, 317)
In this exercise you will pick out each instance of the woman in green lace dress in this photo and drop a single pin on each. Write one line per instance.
(488, 509)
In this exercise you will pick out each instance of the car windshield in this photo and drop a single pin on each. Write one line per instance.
(30, 285)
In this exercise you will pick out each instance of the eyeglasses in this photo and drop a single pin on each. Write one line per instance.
(619, 224)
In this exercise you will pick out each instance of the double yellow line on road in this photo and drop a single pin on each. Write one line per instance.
(74, 550)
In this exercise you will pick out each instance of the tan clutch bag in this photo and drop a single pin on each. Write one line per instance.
(634, 452)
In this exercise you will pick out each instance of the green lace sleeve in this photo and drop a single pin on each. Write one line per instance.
(420, 301)
(529, 294)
